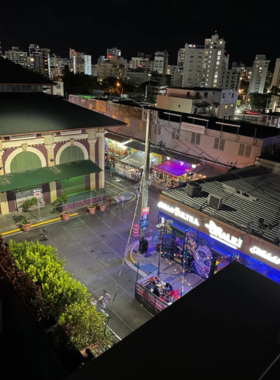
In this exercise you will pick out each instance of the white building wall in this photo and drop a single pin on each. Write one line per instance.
(203, 65)
(259, 73)
(87, 64)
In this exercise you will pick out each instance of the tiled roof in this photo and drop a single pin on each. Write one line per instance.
(240, 210)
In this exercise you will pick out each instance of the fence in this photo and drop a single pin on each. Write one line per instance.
(144, 296)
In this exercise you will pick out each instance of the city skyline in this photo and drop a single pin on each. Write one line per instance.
(92, 30)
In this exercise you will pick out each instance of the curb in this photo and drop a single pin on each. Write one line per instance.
(82, 211)
(128, 256)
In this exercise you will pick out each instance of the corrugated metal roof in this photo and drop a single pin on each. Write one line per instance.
(22, 113)
(240, 210)
(47, 174)
(208, 170)
(118, 138)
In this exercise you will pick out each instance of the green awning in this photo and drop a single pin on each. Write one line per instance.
(35, 177)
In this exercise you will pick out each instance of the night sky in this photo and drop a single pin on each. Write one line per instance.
(145, 26)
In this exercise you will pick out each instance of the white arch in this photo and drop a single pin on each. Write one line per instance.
(19, 150)
(64, 146)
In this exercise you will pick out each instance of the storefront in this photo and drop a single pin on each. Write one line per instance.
(207, 245)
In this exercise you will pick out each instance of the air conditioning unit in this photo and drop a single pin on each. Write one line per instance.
(215, 201)
(194, 189)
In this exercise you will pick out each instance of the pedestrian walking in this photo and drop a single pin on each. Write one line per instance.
(145, 246)
(122, 199)
(105, 299)
(138, 193)
(117, 200)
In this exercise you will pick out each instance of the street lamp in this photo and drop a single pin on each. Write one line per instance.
(118, 85)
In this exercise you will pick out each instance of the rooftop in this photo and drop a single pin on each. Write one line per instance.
(242, 128)
(225, 328)
(23, 113)
(10, 73)
(248, 194)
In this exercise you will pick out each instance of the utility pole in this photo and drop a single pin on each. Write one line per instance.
(145, 181)
(146, 172)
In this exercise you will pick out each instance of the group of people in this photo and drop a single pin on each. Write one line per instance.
(103, 300)
(160, 289)
(120, 199)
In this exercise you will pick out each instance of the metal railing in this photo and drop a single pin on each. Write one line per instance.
(149, 300)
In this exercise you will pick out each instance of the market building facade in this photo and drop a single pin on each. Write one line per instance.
(49, 144)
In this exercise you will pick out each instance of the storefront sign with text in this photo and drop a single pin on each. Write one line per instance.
(266, 255)
(218, 233)
(177, 212)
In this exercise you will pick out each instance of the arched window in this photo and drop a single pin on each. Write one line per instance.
(25, 161)
(70, 154)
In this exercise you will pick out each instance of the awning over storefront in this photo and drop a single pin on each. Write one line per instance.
(21, 180)
(137, 159)
(172, 168)
(208, 171)
(164, 152)
(117, 138)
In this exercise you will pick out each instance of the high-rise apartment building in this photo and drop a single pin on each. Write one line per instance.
(81, 62)
(276, 75)
(113, 52)
(181, 57)
(161, 62)
(17, 56)
(259, 73)
(231, 79)
(177, 76)
(111, 68)
(204, 65)
(140, 62)
(39, 60)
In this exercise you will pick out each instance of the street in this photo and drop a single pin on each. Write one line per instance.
(93, 248)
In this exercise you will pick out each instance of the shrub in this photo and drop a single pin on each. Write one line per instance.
(30, 203)
(67, 298)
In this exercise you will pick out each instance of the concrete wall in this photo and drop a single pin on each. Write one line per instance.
(174, 104)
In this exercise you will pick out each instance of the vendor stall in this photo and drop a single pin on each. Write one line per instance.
(132, 166)
(114, 144)
(170, 174)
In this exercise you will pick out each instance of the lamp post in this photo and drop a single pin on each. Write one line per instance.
(118, 85)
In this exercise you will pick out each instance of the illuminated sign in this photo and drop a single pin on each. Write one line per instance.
(218, 233)
(266, 255)
(177, 212)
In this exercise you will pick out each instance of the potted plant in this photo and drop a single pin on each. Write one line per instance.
(91, 209)
(102, 207)
(30, 203)
(61, 201)
(25, 224)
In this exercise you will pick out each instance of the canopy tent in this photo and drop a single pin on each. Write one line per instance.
(137, 159)
(35, 177)
(173, 169)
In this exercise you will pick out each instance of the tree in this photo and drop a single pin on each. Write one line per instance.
(83, 324)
